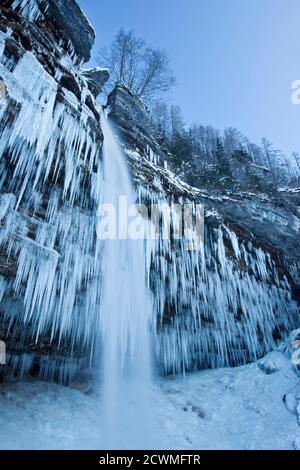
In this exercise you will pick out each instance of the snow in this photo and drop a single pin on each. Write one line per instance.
(289, 190)
(240, 408)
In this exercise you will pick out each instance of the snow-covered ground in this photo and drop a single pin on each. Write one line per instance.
(240, 408)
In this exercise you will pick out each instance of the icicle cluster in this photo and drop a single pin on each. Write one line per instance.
(225, 304)
(28, 8)
(51, 180)
(222, 305)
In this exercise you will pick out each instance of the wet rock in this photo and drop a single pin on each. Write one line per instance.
(83, 387)
(68, 81)
(291, 349)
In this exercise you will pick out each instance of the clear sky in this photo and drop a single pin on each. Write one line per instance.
(234, 60)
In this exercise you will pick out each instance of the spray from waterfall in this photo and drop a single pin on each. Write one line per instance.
(125, 317)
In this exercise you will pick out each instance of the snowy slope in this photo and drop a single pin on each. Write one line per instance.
(238, 408)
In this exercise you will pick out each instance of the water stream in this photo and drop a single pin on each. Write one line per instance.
(125, 316)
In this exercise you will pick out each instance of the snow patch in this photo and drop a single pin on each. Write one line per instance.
(216, 409)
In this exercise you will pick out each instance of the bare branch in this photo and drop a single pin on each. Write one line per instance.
(145, 71)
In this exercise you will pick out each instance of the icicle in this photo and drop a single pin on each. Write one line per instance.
(211, 313)
(20, 363)
(28, 8)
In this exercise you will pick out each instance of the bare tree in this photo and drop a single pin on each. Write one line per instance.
(123, 58)
(144, 70)
(296, 158)
(177, 123)
(155, 76)
(271, 158)
(289, 170)
(232, 140)
(161, 119)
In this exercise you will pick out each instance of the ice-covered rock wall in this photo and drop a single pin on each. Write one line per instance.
(225, 306)
(235, 300)
(50, 166)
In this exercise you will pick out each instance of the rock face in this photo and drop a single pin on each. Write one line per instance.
(273, 220)
(226, 303)
(130, 114)
(63, 18)
(51, 183)
(95, 79)
(216, 313)
(73, 24)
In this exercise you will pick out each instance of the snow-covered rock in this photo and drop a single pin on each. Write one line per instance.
(289, 190)
(272, 362)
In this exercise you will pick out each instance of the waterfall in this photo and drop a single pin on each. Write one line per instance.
(228, 307)
(125, 315)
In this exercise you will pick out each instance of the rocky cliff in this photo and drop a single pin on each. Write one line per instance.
(251, 246)
(226, 304)
(50, 186)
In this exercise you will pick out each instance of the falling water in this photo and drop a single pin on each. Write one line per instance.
(125, 316)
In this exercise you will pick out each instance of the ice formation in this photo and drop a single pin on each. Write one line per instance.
(226, 305)
(51, 187)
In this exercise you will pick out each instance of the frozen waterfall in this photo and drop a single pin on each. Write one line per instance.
(228, 307)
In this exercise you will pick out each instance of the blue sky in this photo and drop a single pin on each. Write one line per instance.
(234, 60)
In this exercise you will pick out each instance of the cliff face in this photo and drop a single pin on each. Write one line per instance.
(51, 183)
(59, 25)
(272, 220)
(232, 305)
(226, 305)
